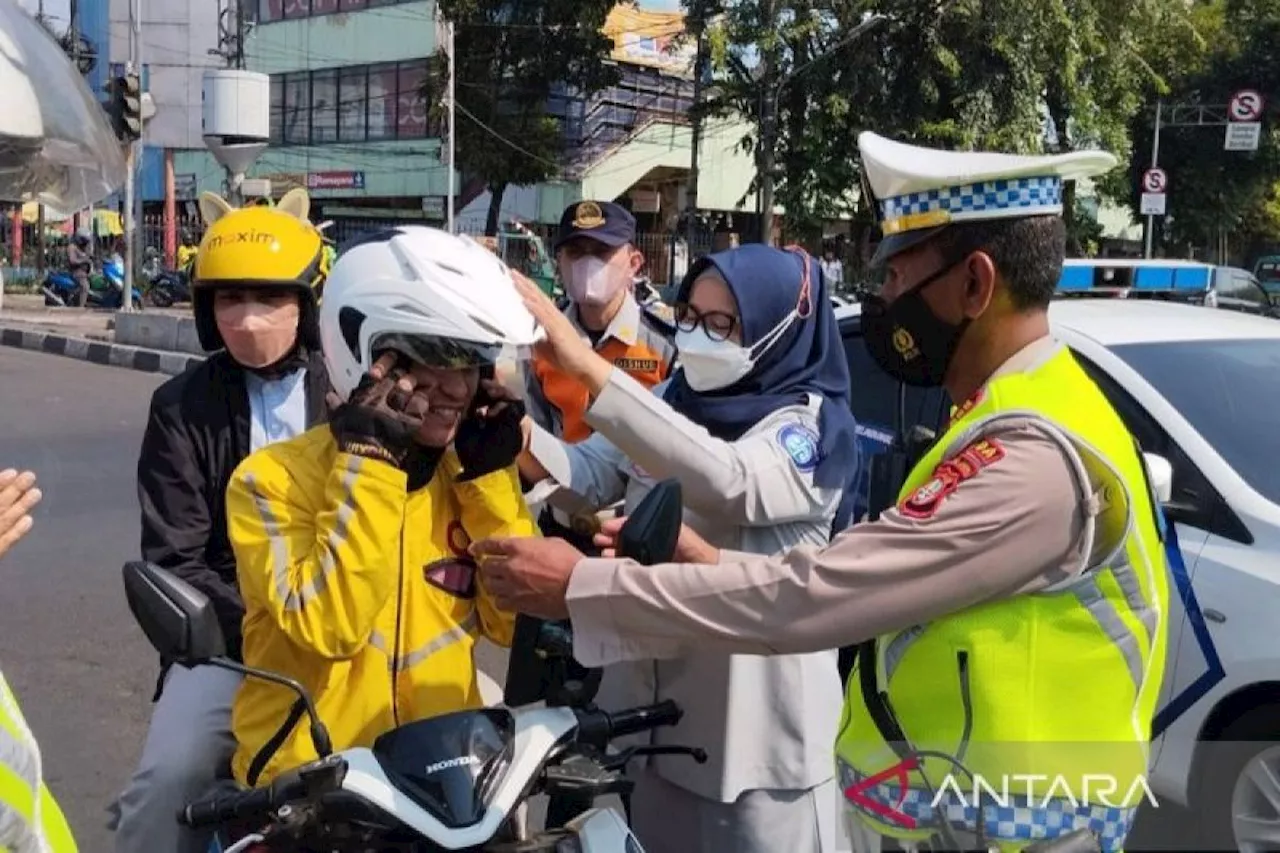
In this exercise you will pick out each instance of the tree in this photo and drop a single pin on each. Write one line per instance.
(510, 56)
(1015, 75)
(1211, 190)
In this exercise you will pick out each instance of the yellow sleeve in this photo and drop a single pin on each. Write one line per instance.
(493, 505)
(322, 564)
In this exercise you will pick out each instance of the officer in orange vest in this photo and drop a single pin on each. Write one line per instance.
(598, 263)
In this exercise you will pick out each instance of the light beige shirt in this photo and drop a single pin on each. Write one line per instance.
(1017, 526)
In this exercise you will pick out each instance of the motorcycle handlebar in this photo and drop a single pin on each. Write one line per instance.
(605, 725)
(242, 805)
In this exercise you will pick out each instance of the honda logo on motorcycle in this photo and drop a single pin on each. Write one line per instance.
(464, 761)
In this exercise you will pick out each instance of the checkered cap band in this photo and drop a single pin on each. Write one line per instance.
(1029, 195)
(1017, 818)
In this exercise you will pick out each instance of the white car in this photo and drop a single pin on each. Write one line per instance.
(1200, 388)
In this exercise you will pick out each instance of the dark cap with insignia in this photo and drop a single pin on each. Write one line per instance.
(602, 221)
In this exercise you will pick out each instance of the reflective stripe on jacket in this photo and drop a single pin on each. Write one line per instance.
(30, 820)
(1047, 696)
(360, 590)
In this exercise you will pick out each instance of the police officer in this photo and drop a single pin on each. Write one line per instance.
(1011, 604)
(598, 263)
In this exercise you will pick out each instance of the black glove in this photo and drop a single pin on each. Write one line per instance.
(490, 438)
(372, 423)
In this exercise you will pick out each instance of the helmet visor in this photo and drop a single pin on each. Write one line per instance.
(444, 353)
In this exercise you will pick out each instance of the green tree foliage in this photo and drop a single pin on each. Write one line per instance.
(1211, 189)
(510, 54)
(1015, 75)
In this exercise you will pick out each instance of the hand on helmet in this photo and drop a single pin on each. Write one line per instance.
(492, 437)
(382, 415)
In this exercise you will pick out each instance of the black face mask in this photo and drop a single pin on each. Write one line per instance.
(907, 339)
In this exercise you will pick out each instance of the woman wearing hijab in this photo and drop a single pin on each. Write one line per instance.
(757, 428)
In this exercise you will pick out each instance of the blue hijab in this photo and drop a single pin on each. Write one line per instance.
(808, 359)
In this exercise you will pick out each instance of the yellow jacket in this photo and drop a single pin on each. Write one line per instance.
(343, 574)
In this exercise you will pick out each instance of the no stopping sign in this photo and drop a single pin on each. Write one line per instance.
(1154, 181)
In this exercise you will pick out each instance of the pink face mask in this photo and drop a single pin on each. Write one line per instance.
(258, 334)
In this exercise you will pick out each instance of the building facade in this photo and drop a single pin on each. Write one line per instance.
(348, 120)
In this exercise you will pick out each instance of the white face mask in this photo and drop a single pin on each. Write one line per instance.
(593, 281)
(712, 365)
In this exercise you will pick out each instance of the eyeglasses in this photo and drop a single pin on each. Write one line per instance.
(719, 325)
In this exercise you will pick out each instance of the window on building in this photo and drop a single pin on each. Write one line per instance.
(353, 95)
(352, 104)
(277, 110)
(297, 108)
(382, 101)
(324, 107)
(412, 106)
(268, 11)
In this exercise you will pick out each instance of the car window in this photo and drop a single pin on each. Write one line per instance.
(1238, 284)
(874, 394)
(1229, 391)
(1201, 504)
(873, 397)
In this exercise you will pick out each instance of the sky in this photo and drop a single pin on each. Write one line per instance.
(661, 5)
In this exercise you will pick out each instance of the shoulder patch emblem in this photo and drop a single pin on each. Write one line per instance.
(947, 477)
(801, 444)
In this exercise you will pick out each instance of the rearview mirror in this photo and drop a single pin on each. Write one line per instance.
(652, 530)
(177, 618)
(541, 665)
(1160, 471)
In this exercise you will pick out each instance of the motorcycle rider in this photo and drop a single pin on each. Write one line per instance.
(79, 264)
(255, 311)
(351, 540)
(55, 144)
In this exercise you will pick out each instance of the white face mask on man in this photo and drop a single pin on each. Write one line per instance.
(711, 365)
(594, 281)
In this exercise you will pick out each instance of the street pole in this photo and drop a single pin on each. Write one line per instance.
(695, 132)
(132, 199)
(453, 118)
(1155, 161)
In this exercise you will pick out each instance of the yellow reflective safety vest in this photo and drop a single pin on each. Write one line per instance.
(30, 820)
(1029, 717)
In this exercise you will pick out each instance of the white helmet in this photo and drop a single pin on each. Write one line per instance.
(440, 299)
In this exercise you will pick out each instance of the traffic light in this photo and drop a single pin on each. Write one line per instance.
(125, 107)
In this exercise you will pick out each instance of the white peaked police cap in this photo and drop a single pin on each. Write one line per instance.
(918, 191)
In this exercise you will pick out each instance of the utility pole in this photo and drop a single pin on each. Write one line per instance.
(699, 16)
(453, 126)
(132, 199)
(1155, 161)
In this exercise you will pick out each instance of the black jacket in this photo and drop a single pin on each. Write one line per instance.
(197, 433)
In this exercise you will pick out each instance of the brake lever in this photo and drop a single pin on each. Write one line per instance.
(619, 760)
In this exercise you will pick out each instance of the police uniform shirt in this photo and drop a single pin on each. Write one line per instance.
(873, 578)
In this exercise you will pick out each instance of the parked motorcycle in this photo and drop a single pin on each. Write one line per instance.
(105, 290)
(453, 782)
(165, 287)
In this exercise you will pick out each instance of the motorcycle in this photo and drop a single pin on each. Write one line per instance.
(105, 291)
(165, 287)
(453, 782)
